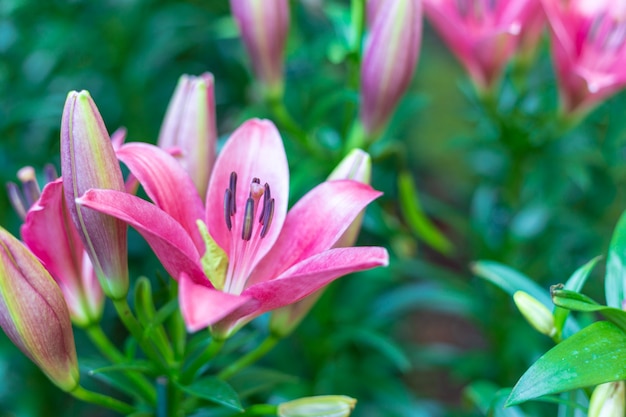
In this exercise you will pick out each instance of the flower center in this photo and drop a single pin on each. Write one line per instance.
(253, 229)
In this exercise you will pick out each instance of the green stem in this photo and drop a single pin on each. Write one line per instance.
(194, 367)
(285, 119)
(102, 342)
(177, 327)
(358, 26)
(260, 410)
(101, 400)
(249, 358)
(133, 326)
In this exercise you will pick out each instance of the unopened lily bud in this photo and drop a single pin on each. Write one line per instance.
(320, 406)
(608, 400)
(357, 166)
(264, 25)
(535, 313)
(33, 313)
(389, 61)
(189, 127)
(88, 161)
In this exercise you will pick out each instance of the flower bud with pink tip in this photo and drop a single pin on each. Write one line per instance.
(33, 313)
(88, 161)
(189, 127)
(389, 60)
(264, 25)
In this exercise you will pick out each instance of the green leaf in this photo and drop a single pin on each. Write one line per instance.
(137, 366)
(417, 220)
(216, 391)
(592, 356)
(254, 381)
(510, 280)
(616, 265)
(574, 283)
(578, 302)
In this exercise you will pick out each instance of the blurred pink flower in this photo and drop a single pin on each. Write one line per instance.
(484, 34)
(254, 257)
(264, 25)
(589, 50)
(389, 60)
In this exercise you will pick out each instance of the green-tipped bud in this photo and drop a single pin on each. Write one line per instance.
(608, 400)
(535, 313)
(33, 313)
(321, 406)
(88, 161)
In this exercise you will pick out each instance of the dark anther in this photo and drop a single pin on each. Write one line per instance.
(255, 180)
(228, 205)
(233, 189)
(246, 232)
(266, 197)
(267, 217)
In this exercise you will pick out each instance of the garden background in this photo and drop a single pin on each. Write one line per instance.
(465, 178)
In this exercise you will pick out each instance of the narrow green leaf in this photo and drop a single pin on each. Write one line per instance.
(616, 265)
(510, 280)
(579, 277)
(578, 302)
(138, 366)
(216, 391)
(574, 283)
(417, 220)
(594, 355)
(256, 380)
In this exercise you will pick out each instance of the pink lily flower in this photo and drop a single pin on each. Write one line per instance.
(589, 50)
(255, 257)
(357, 166)
(66, 260)
(483, 34)
(189, 127)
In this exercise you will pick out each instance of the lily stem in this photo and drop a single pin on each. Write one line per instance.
(260, 410)
(135, 329)
(177, 327)
(211, 351)
(102, 400)
(102, 342)
(250, 357)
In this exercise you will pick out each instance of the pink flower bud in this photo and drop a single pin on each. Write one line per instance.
(264, 25)
(589, 50)
(389, 61)
(484, 34)
(88, 161)
(189, 127)
(33, 313)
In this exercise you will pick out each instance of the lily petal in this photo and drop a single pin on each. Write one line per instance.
(167, 238)
(167, 184)
(64, 260)
(314, 224)
(314, 273)
(254, 150)
(202, 306)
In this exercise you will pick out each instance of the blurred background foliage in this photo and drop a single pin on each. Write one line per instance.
(464, 177)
